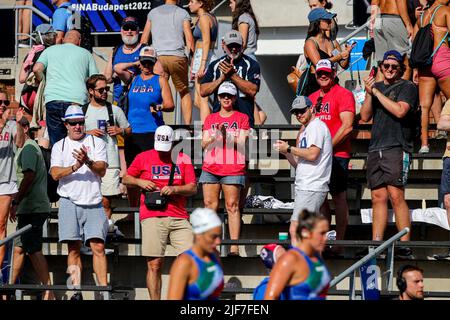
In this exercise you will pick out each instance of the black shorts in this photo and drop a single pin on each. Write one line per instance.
(445, 177)
(31, 241)
(388, 167)
(137, 143)
(339, 175)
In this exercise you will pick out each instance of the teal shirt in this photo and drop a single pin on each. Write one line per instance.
(67, 68)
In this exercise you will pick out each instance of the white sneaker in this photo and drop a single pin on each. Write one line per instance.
(424, 149)
(331, 235)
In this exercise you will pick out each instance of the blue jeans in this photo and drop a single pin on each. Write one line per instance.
(55, 111)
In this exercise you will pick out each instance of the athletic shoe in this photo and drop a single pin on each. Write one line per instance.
(424, 149)
(77, 296)
(445, 256)
(404, 253)
(441, 135)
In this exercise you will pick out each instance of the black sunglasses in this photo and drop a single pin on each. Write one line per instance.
(393, 66)
(101, 90)
(226, 95)
(129, 28)
(74, 123)
(5, 102)
(318, 105)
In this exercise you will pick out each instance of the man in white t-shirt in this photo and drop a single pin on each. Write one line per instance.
(312, 158)
(79, 162)
(106, 121)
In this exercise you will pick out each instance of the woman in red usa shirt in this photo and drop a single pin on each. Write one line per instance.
(224, 137)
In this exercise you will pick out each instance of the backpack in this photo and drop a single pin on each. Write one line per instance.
(83, 25)
(111, 120)
(422, 47)
(52, 185)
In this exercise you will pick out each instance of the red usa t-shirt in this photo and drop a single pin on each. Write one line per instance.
(335, 101)
(149, 166)
(222, 158)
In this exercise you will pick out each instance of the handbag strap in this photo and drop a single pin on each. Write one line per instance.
(172, 171)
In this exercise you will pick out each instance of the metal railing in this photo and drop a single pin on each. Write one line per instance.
(351, 271)
(14, 235)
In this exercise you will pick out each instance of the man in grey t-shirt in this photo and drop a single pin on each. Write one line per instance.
(170, 29)
(97, 124)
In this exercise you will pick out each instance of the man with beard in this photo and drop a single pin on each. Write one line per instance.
(127, 52)
(238, 68)
(410, 283)
(106, 122)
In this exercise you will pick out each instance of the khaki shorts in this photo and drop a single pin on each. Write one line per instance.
(111, 182)
(177, 68)
(159, 231)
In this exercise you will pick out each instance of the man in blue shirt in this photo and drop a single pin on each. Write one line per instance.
(61, 21)
(238, 68)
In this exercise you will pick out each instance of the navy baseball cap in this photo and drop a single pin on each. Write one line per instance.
(393, 54)
(320, 14)
(130, 21)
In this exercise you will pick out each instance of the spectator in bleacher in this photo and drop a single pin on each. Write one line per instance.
(127, 52)
(410, 283)
(78, 162)
(312, 156)
(244, 21)
(67, 67)
(151, 171)
(106, 122)
(429, 78)
(11, 137)
(197, 274)
(300, 273)
(205, 36)
(335, 106)
(31, 206)
(238, 68)
(444, 124)
(391, 105)
(318, 46)
(44, 37)
(149, 95)
(170, 29)
(327, 5)
(391, 29)
(24, 22)
(224, 136)
(61, 19)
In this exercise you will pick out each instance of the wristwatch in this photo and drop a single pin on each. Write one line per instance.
(289, 149)
(89, 162)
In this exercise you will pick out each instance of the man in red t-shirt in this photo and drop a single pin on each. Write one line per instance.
(151, 171)
(335, 106)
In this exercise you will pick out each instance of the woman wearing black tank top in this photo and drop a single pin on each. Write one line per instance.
(319, 46)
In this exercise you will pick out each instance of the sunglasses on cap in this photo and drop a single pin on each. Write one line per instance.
(5, 102)
(130, 27)
(74, 123)
(101, 90)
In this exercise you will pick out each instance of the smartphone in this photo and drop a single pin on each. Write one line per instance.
(373, 71)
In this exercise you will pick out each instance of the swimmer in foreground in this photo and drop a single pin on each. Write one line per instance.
(197, 273)
(300, 273)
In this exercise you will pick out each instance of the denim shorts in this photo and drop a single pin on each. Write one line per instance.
(81, 223)
(207, 177)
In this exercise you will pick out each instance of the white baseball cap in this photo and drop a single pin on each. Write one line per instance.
(163, 138)
(73, 112)
(227, 87)
(324, 65)
(204, 219)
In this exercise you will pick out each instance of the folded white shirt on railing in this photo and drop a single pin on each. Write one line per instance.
(436, 216)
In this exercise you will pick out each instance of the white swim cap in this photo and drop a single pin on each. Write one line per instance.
(204, 219)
